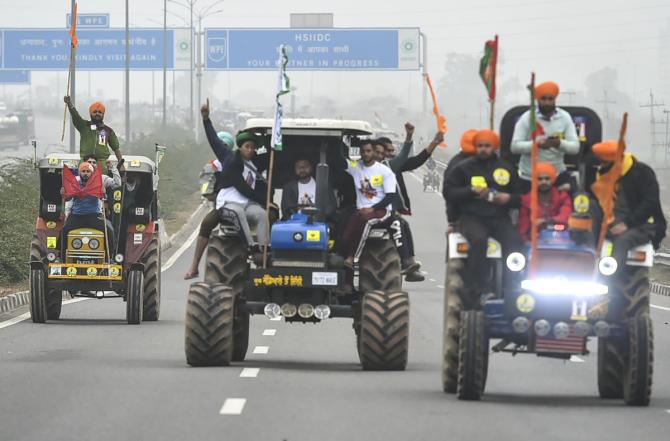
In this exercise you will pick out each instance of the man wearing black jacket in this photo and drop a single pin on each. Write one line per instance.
(638, 217)
(485, 187)
(467, 150)
(243, 188)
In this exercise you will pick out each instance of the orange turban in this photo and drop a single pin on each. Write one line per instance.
(487, 135)
(85, 166)
(606, 150)
(467, 146)
(96, 106)
(544, 89)
(547, 168)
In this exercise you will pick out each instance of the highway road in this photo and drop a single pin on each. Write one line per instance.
(90, 376)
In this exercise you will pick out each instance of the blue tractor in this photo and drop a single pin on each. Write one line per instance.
(563, 295)
(303, 280)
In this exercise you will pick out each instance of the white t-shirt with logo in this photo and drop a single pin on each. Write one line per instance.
(372, 183)
(231, 194)
(307, 193)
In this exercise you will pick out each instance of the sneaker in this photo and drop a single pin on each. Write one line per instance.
(414, 276)
(409, 266)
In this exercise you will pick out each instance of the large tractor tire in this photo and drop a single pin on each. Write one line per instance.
(134, 295)
(379, 267)
(632, 286)
(611, 360)
(383, 342)
(38, 296)
(210, 312)
(639, 367)
(36, 253)
(451, 324)
(54, 304)
(152, 281)
(227, 264)
(472, 356)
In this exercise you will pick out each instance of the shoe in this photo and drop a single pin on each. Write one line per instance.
(409, 266)
(414, 276)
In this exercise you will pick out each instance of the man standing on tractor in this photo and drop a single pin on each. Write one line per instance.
(375, 193)
(484, 187)
(637, 216)
(95, 137)
(554, 205)
(223, 145)
(556, 136)
(467, 150)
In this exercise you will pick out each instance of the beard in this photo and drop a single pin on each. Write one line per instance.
(547, 110)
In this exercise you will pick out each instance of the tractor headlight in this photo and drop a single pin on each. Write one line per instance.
(297, 237)
(516, 262)
(76, 244)
(118, 258)
(94, 244)
(607, 266)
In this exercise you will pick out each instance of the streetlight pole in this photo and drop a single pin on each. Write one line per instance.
(191, 121)
(127, 74)
(165, 51)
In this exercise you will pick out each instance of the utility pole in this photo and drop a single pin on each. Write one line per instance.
(199, 72)
(652, 121)
(127, 74)
(667, 139)
(190, 118)
(606, 110)
(424, 70)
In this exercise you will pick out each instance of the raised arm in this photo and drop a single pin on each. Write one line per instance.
(77, 120)
(397, 163)
(221, 151)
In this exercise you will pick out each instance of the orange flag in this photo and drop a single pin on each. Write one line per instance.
(73, 27)
(441, 120)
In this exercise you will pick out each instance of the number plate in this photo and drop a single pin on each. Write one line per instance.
(327, 279)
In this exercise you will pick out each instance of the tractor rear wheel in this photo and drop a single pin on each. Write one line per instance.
(383, 340)
(38, 296)
(152, 281)
(134, 295)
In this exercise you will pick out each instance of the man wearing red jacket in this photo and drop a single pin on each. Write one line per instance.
(554, 205)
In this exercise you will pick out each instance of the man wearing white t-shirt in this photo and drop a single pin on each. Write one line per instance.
(375, 192)
(301, 192)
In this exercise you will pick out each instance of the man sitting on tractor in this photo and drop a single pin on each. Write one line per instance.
(301, 192)
(557, 136)
(637, 215)
(95, 137)
(243, 188)
(375, 193)
(554, 205)
(467, 150)
(484, 187)
(87, 211)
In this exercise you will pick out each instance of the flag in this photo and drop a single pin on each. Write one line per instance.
(160, 153)
(378, 120)
(72, 188)
(283, 87)
(488, 66)
(73, 27)
(441, 120)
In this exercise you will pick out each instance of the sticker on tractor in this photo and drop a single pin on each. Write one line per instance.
(581, 203)
(501, 176)
(113, 271)
(55, 271)
(53, 161)
(117, 195)
(51, 225)
(91, 272)
(135, 163)
(71, 271)
(578, 310)
(288, 280)
(140, 227)
(51, 208)
(525, 303)
(117, 207)
(137, 239)
(139, 211)
(313, 235)
(51, 241)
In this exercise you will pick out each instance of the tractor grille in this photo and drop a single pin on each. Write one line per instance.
(299, 258)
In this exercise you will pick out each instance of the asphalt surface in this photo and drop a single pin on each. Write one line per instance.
(90, 376)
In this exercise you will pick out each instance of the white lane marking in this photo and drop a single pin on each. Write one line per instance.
(432, 280)
(440, 286)
(26, 316)
(276, 319)
(250, 372)
(261, 349)
(660, 307)
(575, 359)
(233, 406)
(667, 410)
(269, 332)
(167, 265)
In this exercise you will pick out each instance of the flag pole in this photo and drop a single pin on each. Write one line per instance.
(73, 52)
(267, 207)
(533, 180)
(492, 99)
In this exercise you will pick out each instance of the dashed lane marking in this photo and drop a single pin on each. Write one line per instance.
(575, 359)
(269, 332)
(261, 349)
(660, 307)
(440, 286)
(250, 372)
(233, 406)
(26, 316)
(432, 280)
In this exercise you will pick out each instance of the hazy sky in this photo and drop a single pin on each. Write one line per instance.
(563, 40)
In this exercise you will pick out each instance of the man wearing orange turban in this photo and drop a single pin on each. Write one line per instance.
(554, 205)
(467, 150)
(484, 187)
(95, 138)
(638, 216)
(556, 136)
